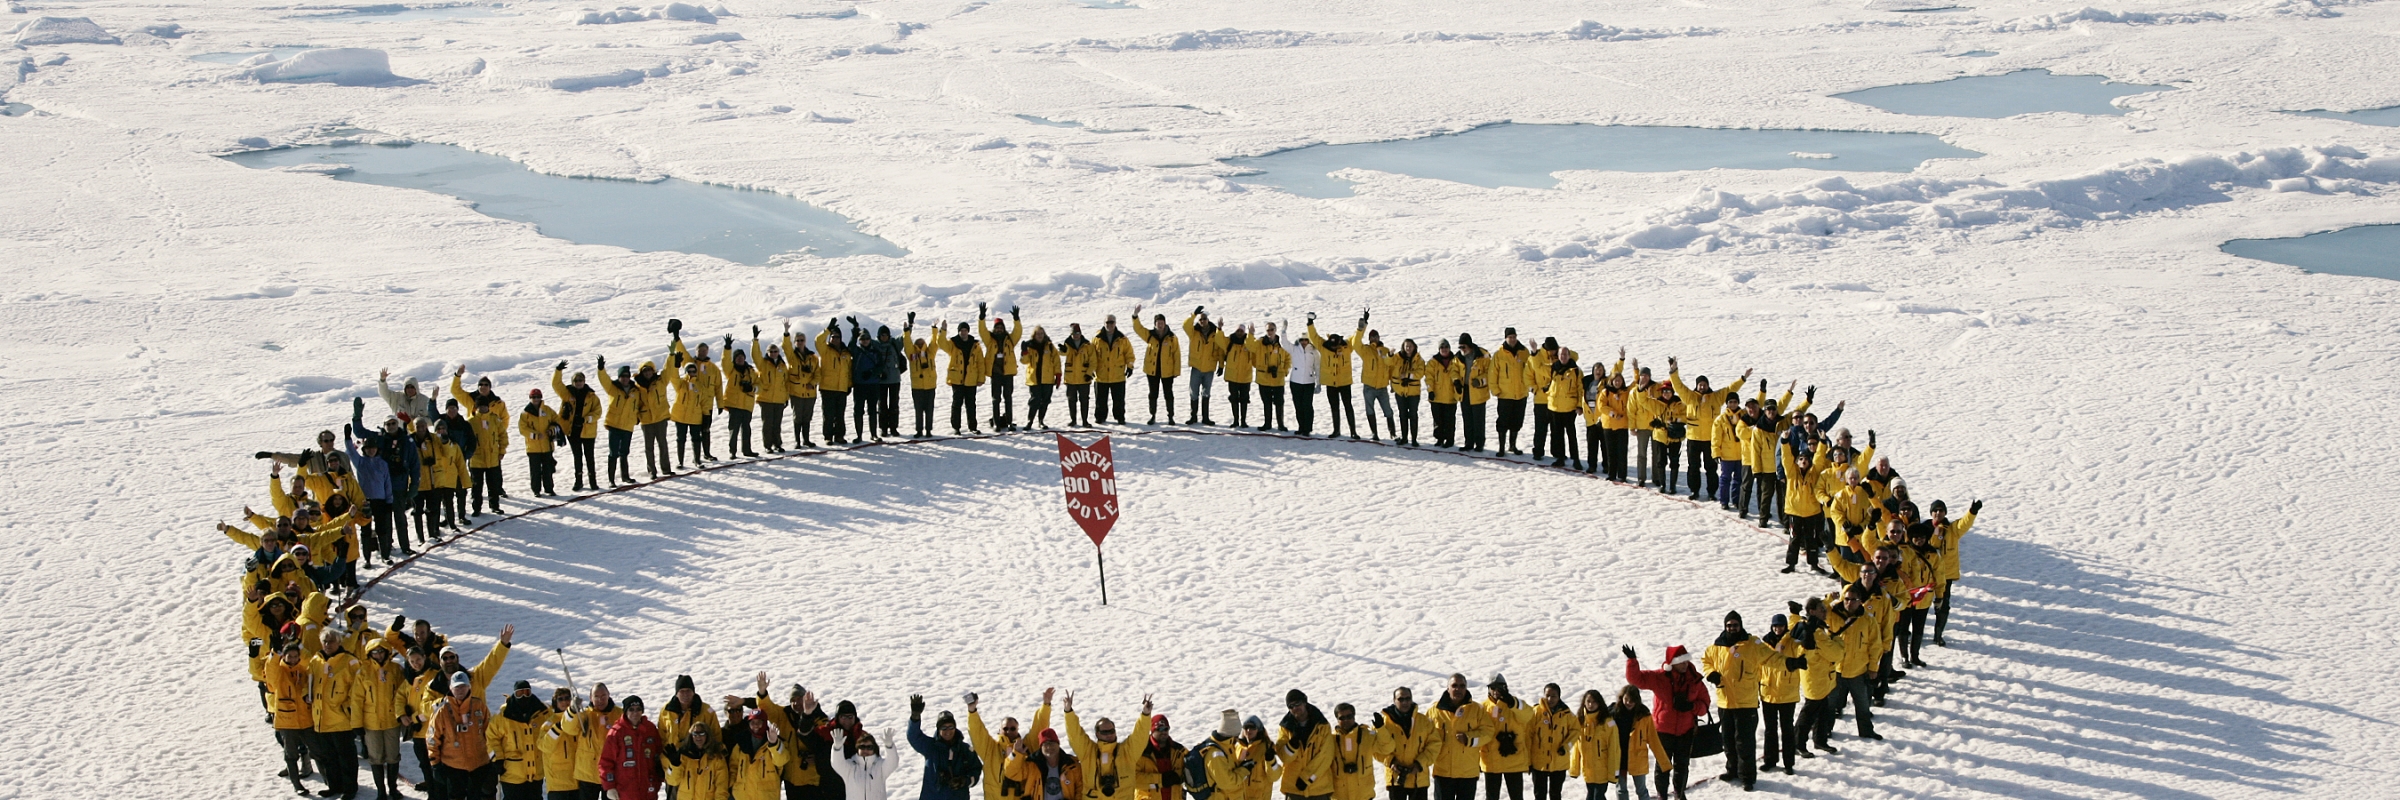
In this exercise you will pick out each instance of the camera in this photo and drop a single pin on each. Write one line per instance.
(1508, 743)
(1108, 784)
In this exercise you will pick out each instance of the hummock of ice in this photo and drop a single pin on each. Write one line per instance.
(341, 66)
(677, 11)
(63, 30)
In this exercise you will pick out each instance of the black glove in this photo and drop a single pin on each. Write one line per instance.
(1312, 318)
(262, 454)
(1362, 317)
(1975, 507)
(1716, 678)
(1870, 437)
(1628, 651)
(980, 309)
(1795, 663)
(255, 646)
(916, 706)
(1792, 606)
(1012, 313)
(399, 620)
(728, 342)
(912, 318)
(604, 366)
(1812, 394)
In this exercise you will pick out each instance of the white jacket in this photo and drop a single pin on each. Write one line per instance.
(1304, 360)
(863, 778)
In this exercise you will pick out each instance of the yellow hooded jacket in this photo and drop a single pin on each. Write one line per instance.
(1207, 348)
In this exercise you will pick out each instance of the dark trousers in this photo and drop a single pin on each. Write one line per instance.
(1562, 437)
(1816, 720)
(1079, 404)
(1453, 788)
(1408, 418)
(804, 414)
(1808, 535)
(1541, 428)
(1663, 458)
(541, 472)
(891, 408)
(866, 410)
(1738, 728)
(620, 456)
(1912, 637)
(1162, 385)
(1512, 422)
(770, 421)
(1767, 489)
(1338, 408)
(688, 438)
(1445, 424)
(1037, 404)
(432, 785)
(962, 407)
(1470, 418)
(1004, 402)
(1699, 467)
(1548, 785)
(1397, 793)
(336, 755)
(737, 433)
(1304, 406)
(655, 452)
(1783, 734)
(1613, 442)
(469, 784)
(1592, 440)
(832, 401)
(921, 404)
(1270, 407)
(1493, 781)
(1941, 609)
(579, 453)
(487, 487)
(1237, 397)
(529, 790)
(379, 535)
(1679, 764)
(1854, 691)
(1112, 403)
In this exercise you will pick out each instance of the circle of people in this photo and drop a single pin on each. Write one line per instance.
(337, 690)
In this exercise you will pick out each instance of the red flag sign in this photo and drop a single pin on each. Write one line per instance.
(1089, 474)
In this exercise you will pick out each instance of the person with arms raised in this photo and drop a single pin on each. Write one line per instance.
(1162, 363)
(1682, 696)
(1208, 346)
(993, 752)
(1001, 339)
(1109, 763)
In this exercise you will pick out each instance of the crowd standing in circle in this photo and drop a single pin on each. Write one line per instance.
(338, 689)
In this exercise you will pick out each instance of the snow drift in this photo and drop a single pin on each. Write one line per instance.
(63, 30)
(341, 66)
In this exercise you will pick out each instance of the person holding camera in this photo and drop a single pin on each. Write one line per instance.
(951, 766)
(1109, 762)
(1274, 368)
(1159, 773)
(1682, 697)
(1408, 742)
(1507, 756)
(1354, 749)
(1304, 742)
(1111, 363)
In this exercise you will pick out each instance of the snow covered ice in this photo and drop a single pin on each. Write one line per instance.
(2181, 586)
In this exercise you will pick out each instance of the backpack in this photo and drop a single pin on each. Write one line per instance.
(1195, 772)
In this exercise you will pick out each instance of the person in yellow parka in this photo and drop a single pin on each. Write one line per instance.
(969, 365)
(1040, 357)
(774, 389)
(1511, 384)
(1260, 764)
(1000, 340)
(1445, 386)
(1375, 381)
(1736, 663)
(1076, 370)
(1640, 748)
(1701, 404)
(1304, 742)
(1355, 748)
(1240, 370)
(1477, 394)
(514, 737)
(1563, 398)
(994, 751)
(286, 679)
(579, 414)
(1779, 695)
(697, 768)
(1410, 743)
(1208, 347)
(1553, 730)
(1112, 363)
(1920, 579)
(1272, 367)
(695, 403)
(1336, 373)
(489, 418)
(335, 696)
(800, 381)
(542, 431)
(1221, 759)
(1804, 506)
(1509, 752)
(1946, 535)
(1762, 435)
(739, 397)
(756, 754)
(924, 373)
(557, 740)
(834, 380)
(1598, 752)
(591, 737)
(1725, 448)
(1110, 765)
(1821, 653)
(683, 713)
(1408, 384)
(383, 694)
(1466, 727)
(624, 416)
(1162, 361)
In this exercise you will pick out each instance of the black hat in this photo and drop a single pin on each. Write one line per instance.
(1733, 616)
(674, 326)
(1466, 339)
(683, 682)
(845, 707)
(632, 701)
(523, 686)
(945, 719)
(1294, 697)
(1499, 681)
(1509, 331)
(1549, 342)
(1940, 506)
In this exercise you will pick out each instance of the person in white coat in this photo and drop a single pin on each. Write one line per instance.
(865, 772)
(1303, 383)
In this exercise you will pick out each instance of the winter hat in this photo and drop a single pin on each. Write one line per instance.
(1231, 725)
(523, 686)
(1465, 339)
(1940, 506)
(535, 395)
(1253, 722)
(945, 718)
(632, 701)
(1294, 697)
(1047, 736)
(1549, 342)
(1780, 621)
(683, 682)
(1498, 681)
(1733, 616)
(1157, 720)
(845, 707)
(1677, 655)
(461, 678)
(1509, 331)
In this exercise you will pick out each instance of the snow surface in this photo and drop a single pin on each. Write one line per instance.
(2181, 588)
(341, 66)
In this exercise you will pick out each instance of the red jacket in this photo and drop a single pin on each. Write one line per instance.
(629, 761)
(1664, 686)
